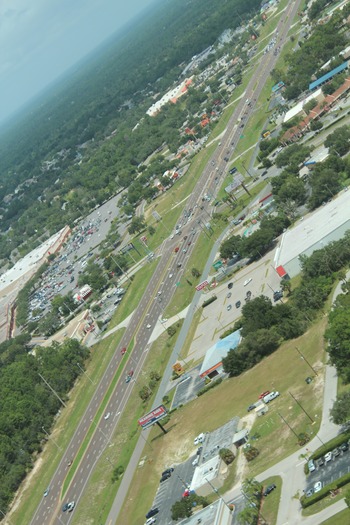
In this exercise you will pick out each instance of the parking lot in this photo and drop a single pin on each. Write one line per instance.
(187, 388)
(171, 490)
(330, 471)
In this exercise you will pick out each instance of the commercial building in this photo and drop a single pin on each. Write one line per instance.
(212, 363)
(217, 513)
(328, 223)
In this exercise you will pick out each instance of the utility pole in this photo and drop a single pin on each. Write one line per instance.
(218, 493)
(302, 408)
(82, 370)
(288, 425)
(52, 439)
(52, 390)
(306, 361)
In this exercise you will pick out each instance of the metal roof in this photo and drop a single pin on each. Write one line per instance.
(328, 75)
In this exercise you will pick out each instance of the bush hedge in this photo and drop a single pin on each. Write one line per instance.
(306, 502)
(208, 387)
(209, 301)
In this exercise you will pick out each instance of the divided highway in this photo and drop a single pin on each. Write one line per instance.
(150, 308)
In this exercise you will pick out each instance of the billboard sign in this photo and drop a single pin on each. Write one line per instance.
(152, 417)
(202, 285)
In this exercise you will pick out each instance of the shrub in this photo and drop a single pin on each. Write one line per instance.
(209, 301)
(208, 387)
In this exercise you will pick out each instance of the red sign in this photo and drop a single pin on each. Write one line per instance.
(153, 416)
(202, 285)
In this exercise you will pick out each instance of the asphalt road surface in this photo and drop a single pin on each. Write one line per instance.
(49, 510)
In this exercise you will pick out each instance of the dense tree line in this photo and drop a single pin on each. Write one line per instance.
(259, 242)
(27, 404)
(338, 335)
(326, 41)
(264, 326)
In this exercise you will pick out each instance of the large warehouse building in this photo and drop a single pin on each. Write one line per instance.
(328, 223)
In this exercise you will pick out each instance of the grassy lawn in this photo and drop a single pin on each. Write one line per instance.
(134, 293)
(338, 519)
(63, 431)
(231, 398)
(97, 500)
(326, 502)
(270, 504)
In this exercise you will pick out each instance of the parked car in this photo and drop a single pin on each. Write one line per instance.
(168, 471)
(165, 476)
(152, 512)
(229, 286)
(344, 446)
(328, 457)
(250, 408)
(320, 462)
(238, 304)
(317, 486)
(264, 394)
(269, 489)
(247, 281)
(269, 397)
(309, 493)
(199, 439)
(195, 461)
(228, 295)
(229, 306)
(311, 465)
(336, 452)
(150, 521)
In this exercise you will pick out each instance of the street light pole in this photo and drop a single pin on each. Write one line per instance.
(82, 370)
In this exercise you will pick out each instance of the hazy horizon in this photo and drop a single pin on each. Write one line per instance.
(40, 42)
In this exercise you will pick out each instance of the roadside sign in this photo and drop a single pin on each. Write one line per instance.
(217, 265)
(202, 285)
(152, 417)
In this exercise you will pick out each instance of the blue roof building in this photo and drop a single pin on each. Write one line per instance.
(213, 358)
(328, 76)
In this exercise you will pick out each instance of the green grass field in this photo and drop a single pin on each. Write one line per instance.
(231, 398)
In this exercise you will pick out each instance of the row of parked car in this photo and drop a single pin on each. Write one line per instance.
(344, 447)
(329, 456)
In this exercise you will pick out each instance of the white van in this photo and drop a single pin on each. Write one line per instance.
(269, 397)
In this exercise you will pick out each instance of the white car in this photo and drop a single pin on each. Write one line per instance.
(199, 439)
(317, 486)
(247, 281)
(170, 275)
(195, 461)
(328, 457)
(71, 506)
(148, 326)
(108, 415)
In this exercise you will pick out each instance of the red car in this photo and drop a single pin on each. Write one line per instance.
(176, 249)
(264, 394)
(131, 373)
(186, 493)
(123, 350)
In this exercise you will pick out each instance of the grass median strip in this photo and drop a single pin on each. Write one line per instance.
(98, 498)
